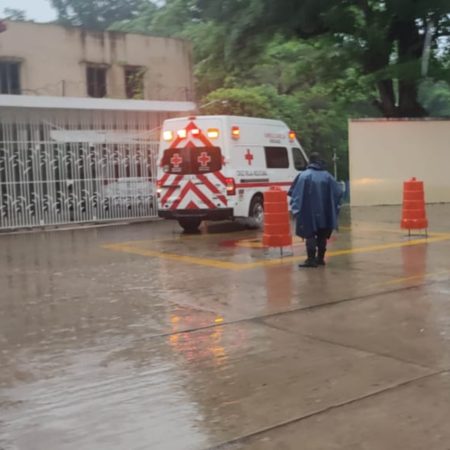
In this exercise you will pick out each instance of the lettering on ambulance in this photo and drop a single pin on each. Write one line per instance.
(274, 135)
(275, 138)
(251, 173)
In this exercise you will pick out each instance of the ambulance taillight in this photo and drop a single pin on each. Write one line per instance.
(235, 132)
(231, 186)
(159, 188)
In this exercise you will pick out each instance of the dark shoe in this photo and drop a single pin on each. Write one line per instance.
(321, 258)
(309, 263)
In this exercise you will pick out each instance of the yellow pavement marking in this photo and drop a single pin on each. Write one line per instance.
(419, 277)
(350, 251)
(251, 242)
(130, 247)
(178, 237)
(257, 243)
(127, 248)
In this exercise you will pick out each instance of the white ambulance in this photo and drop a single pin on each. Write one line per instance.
(218, 167)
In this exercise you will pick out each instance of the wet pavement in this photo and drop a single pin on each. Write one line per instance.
(139, 337)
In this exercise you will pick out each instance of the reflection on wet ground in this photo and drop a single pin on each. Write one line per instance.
(140, 337)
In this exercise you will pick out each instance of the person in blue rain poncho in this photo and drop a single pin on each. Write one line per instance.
(315, 198)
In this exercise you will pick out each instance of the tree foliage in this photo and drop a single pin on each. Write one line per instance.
(14, 14)
(312, 63)
(388, 40)
(96, 14)
(435, 97)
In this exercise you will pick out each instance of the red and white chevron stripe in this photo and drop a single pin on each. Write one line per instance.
(201, 191)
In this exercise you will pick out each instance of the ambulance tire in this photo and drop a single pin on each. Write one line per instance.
(190, 225)
(256, 212)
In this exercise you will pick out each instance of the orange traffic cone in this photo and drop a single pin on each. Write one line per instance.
(414, 216)
(277, 228)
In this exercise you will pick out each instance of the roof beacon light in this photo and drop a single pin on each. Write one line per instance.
(235, 132)
(292, 135)
(167, 135)
(213, 133)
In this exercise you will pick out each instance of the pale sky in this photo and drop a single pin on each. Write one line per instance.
(37, 10)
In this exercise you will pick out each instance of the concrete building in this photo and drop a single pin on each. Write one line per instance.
(52, 60)
(386, 152)
(80, 114)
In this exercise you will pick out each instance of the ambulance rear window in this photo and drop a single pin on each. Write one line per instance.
(193, 161)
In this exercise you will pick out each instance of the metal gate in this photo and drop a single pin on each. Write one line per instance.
(61, 167)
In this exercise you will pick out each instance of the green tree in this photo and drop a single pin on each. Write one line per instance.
(140, 24)
(435, 98)
(385, 38)
(210, 69)
(248, 61)
(319, 119)
(251, 102)
(97, 14)
(14, 14)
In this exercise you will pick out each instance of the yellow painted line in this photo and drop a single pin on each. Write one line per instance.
(257, 243)
(419, 277)
(404, 233)
(188, 237)
(350, 251)
(250, 242)
(209, 262)
(365, 229)
(126, 248)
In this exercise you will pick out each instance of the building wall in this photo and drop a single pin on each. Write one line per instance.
(54, 60)
(385, 153)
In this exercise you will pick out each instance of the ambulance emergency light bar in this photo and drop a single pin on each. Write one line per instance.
(212, 133)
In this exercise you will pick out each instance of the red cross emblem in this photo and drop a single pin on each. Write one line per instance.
(249, 157)
(176, 160)
(204, 159)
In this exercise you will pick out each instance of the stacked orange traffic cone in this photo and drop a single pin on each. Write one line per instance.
(277, 228)
(414, 216)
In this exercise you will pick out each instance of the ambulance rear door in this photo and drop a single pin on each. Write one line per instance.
(191, 163)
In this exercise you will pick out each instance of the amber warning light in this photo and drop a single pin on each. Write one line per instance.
(213, 133)
(292, 135)
(235, 132)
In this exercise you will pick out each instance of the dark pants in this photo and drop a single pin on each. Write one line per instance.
(316, 246)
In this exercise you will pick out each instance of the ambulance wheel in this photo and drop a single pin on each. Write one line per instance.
(256, 212)
(190, 225)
